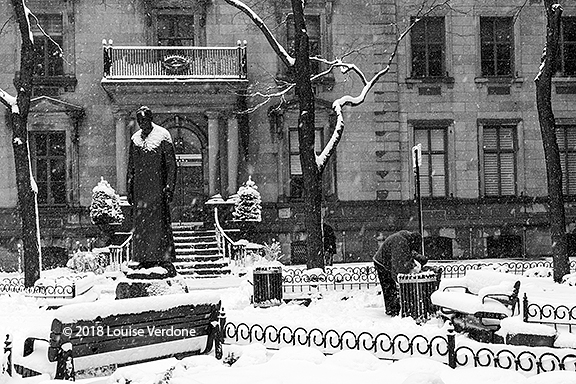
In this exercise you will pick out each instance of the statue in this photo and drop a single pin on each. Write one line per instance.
(150, 180)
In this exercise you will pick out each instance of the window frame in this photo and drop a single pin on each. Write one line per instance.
(511, 42)
(515, 126)
(48, 158)
(426, 43)
(47, 44)
(429, 127)
(198, 13)
(323, 10)
(315, 66)
(66, 82)
(283, 121)
(51, 115)
(564, 151)
(562, 45)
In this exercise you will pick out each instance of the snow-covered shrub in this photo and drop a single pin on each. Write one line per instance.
(248, 205)
(543, 272)
(88, 262)
(105, 206)
(273, 251)
(569, 279)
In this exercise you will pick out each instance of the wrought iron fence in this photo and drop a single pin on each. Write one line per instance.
(16, 285)
(385, 346)
(561, 317)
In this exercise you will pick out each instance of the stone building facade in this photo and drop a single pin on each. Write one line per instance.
(461, 85)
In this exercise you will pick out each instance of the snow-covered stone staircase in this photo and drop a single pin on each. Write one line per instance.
(197, 253)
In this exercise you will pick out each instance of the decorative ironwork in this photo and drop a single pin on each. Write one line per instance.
(16, 285)
(175, 64)
(394, 347)
(386, 347)
(558, 316)
(12, 284)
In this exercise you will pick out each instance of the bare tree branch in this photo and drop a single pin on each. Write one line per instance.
(5, 24)
(340, 103)
(9, 101)
(276, 46)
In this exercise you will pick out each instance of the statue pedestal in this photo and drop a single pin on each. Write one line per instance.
(130, 288)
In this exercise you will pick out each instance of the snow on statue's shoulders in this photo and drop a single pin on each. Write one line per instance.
(105, 308)
(154, 138)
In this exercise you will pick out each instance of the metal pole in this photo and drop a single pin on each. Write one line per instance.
(419, 198)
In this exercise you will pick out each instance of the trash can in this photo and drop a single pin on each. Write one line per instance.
(267, 283)
(415, 291)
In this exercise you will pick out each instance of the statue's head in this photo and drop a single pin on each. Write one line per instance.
(144, 118)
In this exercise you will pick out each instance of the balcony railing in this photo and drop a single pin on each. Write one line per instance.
(166, 63)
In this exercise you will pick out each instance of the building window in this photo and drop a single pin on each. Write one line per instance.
(176, 30)
(313, 28)
(504, 246)
(427, 42)
(567, 65)
(496, 41)
(48, 153)
(566, 138)
(289, 159)
(433, 172)
(499, 160)
(48, 49)
(296, 176)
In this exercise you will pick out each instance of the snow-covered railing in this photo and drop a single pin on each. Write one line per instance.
(231, 250)
(450, 268)
(443, 346)
(142, 62)
(340, 278)
(120, 253)
(559, 316)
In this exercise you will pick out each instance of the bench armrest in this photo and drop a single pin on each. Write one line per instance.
(450, 288)
(29, 345)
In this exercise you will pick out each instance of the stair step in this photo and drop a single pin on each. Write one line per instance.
(200, 264)
(197, 251)
(205, 274)
(202, 245)
(197, 258)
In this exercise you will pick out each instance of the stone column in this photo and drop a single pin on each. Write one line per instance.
(213, 153)
(233, 143)
(122, 141)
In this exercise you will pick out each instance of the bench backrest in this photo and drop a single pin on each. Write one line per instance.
(478, 279)
(127, 328)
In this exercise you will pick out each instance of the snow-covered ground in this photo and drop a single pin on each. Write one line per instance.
(354, 311)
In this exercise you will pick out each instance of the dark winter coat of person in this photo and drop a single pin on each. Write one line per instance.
(396, 255)
(329, 243)
(151, 179)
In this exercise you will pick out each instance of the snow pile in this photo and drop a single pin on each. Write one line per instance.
(569, 279)
(515, 325)
(105, 308)
(543, 272)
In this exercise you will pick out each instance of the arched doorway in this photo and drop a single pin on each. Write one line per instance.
(190, 193)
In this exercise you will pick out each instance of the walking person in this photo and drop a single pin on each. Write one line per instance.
(397, 254)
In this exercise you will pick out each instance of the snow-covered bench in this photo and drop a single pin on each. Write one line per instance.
(479, 300)
(121, 332)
